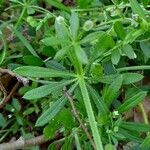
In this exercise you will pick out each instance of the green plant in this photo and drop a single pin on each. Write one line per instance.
(91, 54)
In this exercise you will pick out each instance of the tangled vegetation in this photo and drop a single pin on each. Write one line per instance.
(75, 74)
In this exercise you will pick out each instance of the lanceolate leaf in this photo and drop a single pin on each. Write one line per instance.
(46, 90)
(139, 127)
(128, 50)
(51, 112)
(100, 104)
(81, 54)
(129, 78)
(118, 27)
(74, 24)
(145, 46)
(137, 8)
(40, 72)
(112, 90)
(58, 4)
(132, 102)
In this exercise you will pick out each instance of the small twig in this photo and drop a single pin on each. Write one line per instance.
(21, 79)
(2, 88)
(75, 112)
(21, 143)
(26, 143)
(8, 97)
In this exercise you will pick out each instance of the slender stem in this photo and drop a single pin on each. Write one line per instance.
(20, 18)
(143, 113)
(134, 68)
(90, 114)
(76, 114)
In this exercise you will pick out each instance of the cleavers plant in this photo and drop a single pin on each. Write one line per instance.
(99, 52)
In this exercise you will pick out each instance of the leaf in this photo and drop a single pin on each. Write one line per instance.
(77, 141)
(139, 127)
(51, 112)
(132, 101)
(45, 90)
(62, 52)
(145, 145)
(112, 90)
(62, 31)
(2, 121)
(3, 52)
(118, 27)
(145, 47)
(115, 56)
(94, 36)
(137, 9)
(74, 24)
(41, 72)
(33, 60)
(25, 42)
(133, 35)
(128, 50)
(59, 5)
(82, 57)
(50, 41)
(129, 78)
(101, 106)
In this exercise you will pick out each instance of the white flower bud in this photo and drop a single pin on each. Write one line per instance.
(60, 19)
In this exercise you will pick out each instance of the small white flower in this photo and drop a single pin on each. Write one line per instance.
(60, 19)
(115, 113)
(9, 116)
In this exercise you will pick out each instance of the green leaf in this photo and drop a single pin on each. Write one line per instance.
(115, 56)
(137, 9)
(2, 121)
(118, 27)
(81, 54)
(145, 47)
(59, 5)
(94, 36)
(45, 90)
(129, 78)
(128, 50)
(3, 52)
(33, 60)
(62, 31)
(50, 41)
(25, 42)
(16, 104)
(41, 72)
(62, 52)
(112, 90)
(74, 24)
(51, 112)
(146, 143)
(132, 101)
(101, 106)
(139, 127)
(77, 141)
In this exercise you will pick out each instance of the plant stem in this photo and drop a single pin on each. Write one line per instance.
(20, 18)
(143, 113)
(134, 68)
(90, 114)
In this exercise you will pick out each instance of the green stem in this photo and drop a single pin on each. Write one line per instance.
(90, 114)
(143, 113)
(134, 68)
(20, 18)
